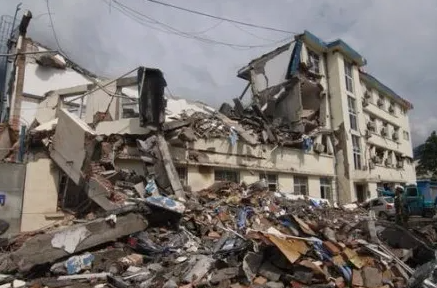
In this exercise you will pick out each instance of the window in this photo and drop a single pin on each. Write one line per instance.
(371, 125)
(272, 181)
(313, 62)
(300, 185)
(226, 175)
(325, 188)
(406, 135)
(183, 175)
(379, 155)
(381, 102)
(352, 113)
(348, 77)
(391, 108)
(356, 148)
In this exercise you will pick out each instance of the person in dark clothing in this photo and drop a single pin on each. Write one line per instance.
(399, 206)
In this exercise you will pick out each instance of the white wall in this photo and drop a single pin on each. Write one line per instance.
(275, 70)
(38, 80)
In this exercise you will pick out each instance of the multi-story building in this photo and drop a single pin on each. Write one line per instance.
(372, 134)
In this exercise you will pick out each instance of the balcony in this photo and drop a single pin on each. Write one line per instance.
(385, 115)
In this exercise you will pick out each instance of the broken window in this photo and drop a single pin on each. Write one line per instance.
(183, 175)
(130, 108)
(352, 113)
(313, 62)
(348, 77)
(325, 188)
(379, 155)
(406, 135)
(300, 185)
(272, 181)
(226, 175)
(356, 148)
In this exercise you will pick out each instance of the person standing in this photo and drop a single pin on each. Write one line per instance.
(399, 207)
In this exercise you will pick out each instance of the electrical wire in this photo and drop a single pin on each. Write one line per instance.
(146, 20)
(221, 18)
(53, 27)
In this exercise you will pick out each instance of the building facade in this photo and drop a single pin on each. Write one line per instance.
(372, 133)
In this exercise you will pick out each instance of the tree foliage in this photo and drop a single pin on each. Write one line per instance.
(428, 157)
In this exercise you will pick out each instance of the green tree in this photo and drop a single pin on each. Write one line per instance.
(428, 157)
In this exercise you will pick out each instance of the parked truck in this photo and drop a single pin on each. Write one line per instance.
(418, 199)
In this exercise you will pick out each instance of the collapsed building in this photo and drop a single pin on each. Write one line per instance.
(113, 183)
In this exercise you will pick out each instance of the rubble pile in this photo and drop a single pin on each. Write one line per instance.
(228, 235)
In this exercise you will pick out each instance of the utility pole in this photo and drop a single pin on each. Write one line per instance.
(20, 62)
(4, 101)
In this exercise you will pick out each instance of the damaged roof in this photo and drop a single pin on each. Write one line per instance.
(69, 63)
(175, 105)
(333, 46)
(314, 42)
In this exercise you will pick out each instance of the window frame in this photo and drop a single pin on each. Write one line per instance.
(406, 135)
(227, 175)
(271, 180)
(356, 151)
(313, 61)
(297, 185)
(349, 77)
(326, 184)
(352, 108)
(183, 175)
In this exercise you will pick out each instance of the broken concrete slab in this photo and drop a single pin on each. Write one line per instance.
(39, 250)
(170, 169)
(224, 274)
(98, 193)
(127, 126)
(202, 265)
(372, 277)
(73, 145)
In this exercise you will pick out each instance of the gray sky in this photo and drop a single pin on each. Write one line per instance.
(398, 39)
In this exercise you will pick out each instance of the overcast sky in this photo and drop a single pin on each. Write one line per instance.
(398, 39)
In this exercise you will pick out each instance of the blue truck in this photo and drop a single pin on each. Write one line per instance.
(418, 199)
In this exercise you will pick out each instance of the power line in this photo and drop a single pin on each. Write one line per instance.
(140, 18)
(220, 18)
(53, 26)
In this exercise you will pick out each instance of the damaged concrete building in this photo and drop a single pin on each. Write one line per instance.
(312, 83)
(305, 131)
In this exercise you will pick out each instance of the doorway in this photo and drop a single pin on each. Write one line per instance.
(360, 192)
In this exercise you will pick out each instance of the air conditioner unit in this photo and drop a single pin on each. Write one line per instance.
(371, 165)
(391, 109)
(380, 102)
(395, 136)
(371, 126)
(400, 164)
(388, 162)
(365, 102)
(384, 131)
(368, 134)
(367, 95)
(319, 148)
